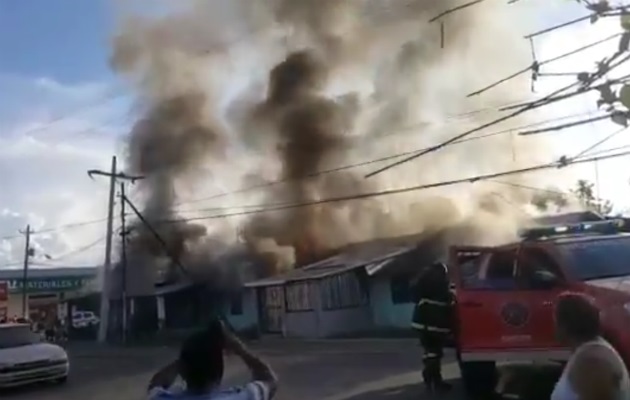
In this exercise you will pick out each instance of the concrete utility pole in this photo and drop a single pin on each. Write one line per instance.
(123, 260)
(28, 252)
(113, 175)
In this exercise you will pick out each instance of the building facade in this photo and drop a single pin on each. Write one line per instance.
(46, 290)
(365, 291)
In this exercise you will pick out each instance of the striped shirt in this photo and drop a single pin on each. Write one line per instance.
(256, 390)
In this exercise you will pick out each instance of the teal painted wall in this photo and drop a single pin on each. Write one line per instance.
(248, 319)
(385, 313)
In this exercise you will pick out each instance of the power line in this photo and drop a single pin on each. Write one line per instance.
(454, 9)
(563, 162)
(540, 103)
(611, 12)
(58, 228)
(107, 97)
(367, 162)
(567, 125)
(79, 250)
(537, 64)
(600, 142)
(64, 256)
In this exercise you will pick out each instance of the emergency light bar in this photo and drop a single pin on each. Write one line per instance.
(607, 227)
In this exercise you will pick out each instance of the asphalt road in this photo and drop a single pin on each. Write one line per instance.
(333, 370)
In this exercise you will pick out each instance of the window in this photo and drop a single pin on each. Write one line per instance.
(236, 304)
(342, 291)
(489, 271)
(598, 258)
(401, 290)
(298, 297)
(532, 261)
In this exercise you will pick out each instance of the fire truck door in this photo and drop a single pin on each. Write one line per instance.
(493, 311)
(541, 281)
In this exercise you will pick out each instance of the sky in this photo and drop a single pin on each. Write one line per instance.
(63, 111)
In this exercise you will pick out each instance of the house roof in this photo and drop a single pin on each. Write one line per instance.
(569, 218)
(372, 256)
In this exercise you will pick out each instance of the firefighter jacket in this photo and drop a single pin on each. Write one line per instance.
(434, 310)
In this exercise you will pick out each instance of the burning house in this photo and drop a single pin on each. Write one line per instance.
(277, 129)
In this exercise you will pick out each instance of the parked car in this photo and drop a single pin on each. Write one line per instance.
(25, 358)
(505, 296)
(84, 319)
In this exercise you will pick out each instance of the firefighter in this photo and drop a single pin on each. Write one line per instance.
(432, 320)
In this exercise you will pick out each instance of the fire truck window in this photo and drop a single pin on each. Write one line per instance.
(493, 271)
(534, 260)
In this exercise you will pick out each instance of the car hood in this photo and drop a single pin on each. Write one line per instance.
(621, 284)
(31, 353)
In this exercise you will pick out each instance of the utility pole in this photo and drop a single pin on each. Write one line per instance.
(112, 175)
(123, 260)
(104, 314)
(27, 254)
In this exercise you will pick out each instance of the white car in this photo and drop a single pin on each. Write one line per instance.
(84, 319)
(25, 358)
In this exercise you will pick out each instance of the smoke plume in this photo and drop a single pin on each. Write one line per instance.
(241, 91)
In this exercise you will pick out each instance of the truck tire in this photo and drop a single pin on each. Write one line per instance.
(479, 379)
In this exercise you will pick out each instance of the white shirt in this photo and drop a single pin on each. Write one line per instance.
(564, 390)
(256, 390)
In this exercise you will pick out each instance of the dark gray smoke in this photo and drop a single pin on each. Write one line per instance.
(327, 83)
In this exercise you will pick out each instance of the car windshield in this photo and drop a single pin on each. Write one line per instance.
(597, 259)
(17, 336)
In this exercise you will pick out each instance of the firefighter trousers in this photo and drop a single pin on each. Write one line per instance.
(433, 346)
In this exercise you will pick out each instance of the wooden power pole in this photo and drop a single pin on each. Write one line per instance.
(107, 267)
(123, 261)
(28, 252)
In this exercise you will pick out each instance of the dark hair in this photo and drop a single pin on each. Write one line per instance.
(201, 358)
(578, 317)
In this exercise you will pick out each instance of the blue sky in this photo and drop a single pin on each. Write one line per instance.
(54, 61)
(66, 40)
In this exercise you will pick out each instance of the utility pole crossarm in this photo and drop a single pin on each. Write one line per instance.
(119, 175)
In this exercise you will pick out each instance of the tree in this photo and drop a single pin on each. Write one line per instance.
(544, 200)
(585, 193)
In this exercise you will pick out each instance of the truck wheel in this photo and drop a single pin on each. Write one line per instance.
(479, 379)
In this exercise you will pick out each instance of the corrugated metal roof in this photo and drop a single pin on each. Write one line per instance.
(365, 255)
(570, 218)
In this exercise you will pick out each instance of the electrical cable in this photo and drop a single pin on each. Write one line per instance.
(596, 75)
(365, 163)
(562, 163)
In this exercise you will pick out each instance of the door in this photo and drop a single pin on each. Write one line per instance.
(500, 317)
(486, 285)
(273, 309)
(542, 281)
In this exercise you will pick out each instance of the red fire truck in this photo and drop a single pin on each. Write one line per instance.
(505, 295)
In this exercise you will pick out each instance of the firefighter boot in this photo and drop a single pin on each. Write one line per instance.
(438, 382)
(428, 379)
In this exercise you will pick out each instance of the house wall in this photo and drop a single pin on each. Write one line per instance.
(344, 322)
(304, 321)
(248, 318)
(301, 324)
(386, 314)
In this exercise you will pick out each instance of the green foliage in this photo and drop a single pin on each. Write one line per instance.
(548, 199)
(585, 193)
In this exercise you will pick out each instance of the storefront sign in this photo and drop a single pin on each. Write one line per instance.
(42, 285)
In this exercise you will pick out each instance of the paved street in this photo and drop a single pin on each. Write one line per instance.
(335, 370)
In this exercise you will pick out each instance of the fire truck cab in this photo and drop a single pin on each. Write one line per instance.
(505, 295)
